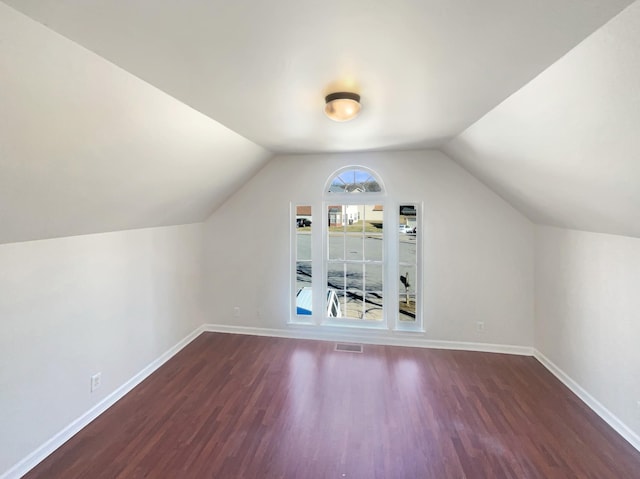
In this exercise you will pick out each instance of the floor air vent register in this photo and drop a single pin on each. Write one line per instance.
(349, 348)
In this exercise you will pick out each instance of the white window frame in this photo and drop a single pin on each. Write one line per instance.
(418, 324)
(355, 199)
(337, 198)
(294, 317)
(391, 254)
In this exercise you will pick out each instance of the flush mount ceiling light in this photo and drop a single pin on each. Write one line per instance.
(342, 106)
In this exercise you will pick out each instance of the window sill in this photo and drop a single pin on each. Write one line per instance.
(409, 330)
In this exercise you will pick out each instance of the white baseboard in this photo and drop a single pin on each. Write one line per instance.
(389, 338)
(610, 418)
(392, 338)
(63, 436)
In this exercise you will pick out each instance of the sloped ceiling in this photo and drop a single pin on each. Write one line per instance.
(87, 147)
(565, 149)
(109, 109)
(426, 69)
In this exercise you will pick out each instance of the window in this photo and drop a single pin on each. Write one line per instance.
(354, 247)
(303, 262)
(355, 260)
(408, 263)
(361, 274)
(354, 181)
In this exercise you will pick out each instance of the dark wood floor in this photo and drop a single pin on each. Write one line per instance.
(230, 406)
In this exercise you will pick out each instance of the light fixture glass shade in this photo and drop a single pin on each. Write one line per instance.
(342, 106)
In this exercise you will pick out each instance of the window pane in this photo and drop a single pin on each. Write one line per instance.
(335, 276)
(337, 185)
(303, 274)
(352, 218)
(303, 288)
(304, 301)
(354, 305)
(373, 277)
(335, 218)
(407, 248)
(408, 260)
(407, 279)
(344, 299)
(354, 181)
(354, 276)
(336, 245)
(303, 218)
(373, 244)
(335, 303)
(407, 213)
(303, 240)
(373, 309)
(354, 246)
(374, 218)
(303, 260)
(407, 310)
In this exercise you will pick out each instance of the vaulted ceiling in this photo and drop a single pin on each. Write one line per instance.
(86, 147)
(565, 149)
(117, 114)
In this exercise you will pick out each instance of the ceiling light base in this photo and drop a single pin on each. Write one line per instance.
(342, 106)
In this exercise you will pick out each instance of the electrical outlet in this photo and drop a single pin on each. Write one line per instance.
(96, 381)
(236, 311)
(480, 325)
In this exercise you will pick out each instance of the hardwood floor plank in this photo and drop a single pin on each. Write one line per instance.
(231, 406)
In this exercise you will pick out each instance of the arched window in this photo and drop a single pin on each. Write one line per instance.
(355, 180)
(365, 275)
(354, 255)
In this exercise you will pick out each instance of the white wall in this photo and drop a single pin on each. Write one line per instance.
(588, 314)
(478, 250)
(74, 306)
(115, 302)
